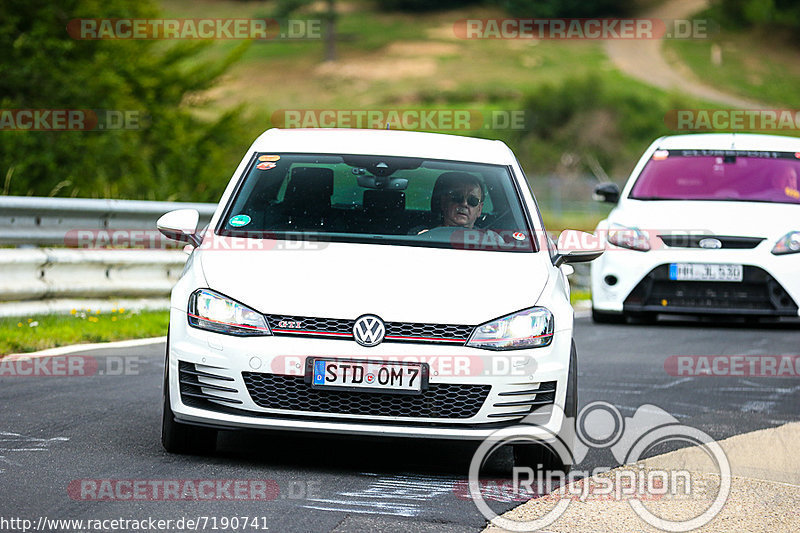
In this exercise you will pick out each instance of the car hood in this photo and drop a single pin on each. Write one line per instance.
(746, 219)
(397, 283)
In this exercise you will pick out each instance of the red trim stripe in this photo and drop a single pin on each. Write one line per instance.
(306, 332)
(244, 326)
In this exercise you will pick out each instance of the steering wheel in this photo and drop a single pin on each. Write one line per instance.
(496, 219)
(439, 233)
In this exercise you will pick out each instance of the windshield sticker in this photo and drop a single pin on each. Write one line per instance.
(239, 220)
(519, 235)
(732, 153)
(269, 158)
(660, 154)
(265, 166)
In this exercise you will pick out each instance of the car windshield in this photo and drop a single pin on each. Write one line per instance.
(379, 199)
(720, 175)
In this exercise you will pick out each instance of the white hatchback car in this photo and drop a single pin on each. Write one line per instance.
(706, 224)
(371, 283)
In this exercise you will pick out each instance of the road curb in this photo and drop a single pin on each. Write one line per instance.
(72, 348)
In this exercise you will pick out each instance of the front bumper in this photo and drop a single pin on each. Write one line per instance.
(212, 379)
(770, 286)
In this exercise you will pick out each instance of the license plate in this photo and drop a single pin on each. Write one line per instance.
(705, 272)
(341, 374)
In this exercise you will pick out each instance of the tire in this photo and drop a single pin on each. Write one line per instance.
(603, 317)
(571, 402)
(539, 458)
(533, 455)
(182, 438)
(647, 318)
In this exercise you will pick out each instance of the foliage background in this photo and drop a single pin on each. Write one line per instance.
(174, 155)
(202, 103)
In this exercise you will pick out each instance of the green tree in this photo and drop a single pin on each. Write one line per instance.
(764, 14)
(174, 154)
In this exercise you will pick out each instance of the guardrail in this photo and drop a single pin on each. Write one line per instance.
(31, 274)
(29, 220)
(50, 280)
(56, 280)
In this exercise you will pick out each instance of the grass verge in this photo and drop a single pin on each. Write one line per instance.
(30, 334)
(745, 63)
(577, 296)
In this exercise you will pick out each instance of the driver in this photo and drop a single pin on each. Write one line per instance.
(457, 202)
(458, 198)
(786, 182)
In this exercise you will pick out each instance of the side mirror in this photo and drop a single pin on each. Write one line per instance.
(577, 247)
(607, 192)
(180, 225)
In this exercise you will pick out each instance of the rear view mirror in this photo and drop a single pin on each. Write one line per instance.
(607, 192)
(180, 225)
(379, 182)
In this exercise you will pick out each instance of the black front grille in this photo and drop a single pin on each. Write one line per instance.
(343, 328)
(727, 241)
(292, 393)
(431, 331)
(757, 293)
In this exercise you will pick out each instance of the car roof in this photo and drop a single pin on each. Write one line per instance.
(730, 141)
(384, 142)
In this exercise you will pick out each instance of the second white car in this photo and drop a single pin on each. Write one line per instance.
(707, 224)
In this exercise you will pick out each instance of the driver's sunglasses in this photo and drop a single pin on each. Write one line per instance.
(458, 198)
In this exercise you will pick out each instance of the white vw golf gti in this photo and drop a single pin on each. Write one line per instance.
(370, 283)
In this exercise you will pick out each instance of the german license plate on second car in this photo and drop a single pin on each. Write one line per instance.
(705, 272)
(390, 377)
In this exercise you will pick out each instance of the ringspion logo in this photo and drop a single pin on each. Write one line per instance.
(601, 426)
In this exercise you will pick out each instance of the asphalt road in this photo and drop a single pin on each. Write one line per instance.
(56, 431)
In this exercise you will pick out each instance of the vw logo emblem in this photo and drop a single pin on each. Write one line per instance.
(369, 330)
(710, 244)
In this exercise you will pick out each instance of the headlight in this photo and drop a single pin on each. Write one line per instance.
(788, 244)
(214, 312)
(631, 238)
(526, 329)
